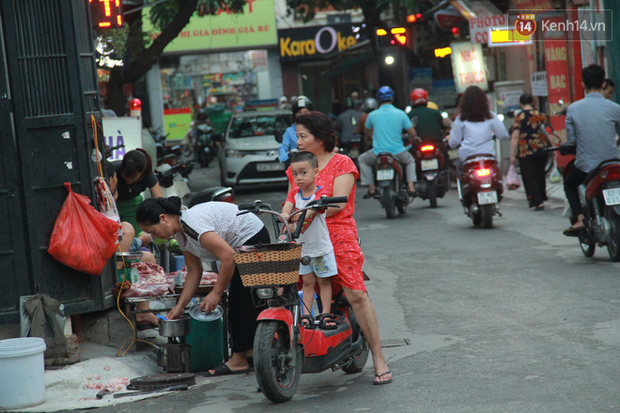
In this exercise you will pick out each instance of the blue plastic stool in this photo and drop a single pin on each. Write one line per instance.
(316, 298)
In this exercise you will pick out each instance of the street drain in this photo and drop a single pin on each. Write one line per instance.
(395, 343)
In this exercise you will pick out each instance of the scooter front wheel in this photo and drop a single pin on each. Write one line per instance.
(389, 202)
(277, 365)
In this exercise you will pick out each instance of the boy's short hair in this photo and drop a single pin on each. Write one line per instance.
(305, 156)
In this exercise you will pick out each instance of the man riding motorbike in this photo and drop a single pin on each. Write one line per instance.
(592, 124)
(289, 140)
(347, 121)
(385, 125)
(429, 123)
(368, 106)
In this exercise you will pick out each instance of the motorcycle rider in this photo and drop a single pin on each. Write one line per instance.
(368, 106)
(201, 119)
(289, 140)
(385, 125)
(591, 114)
(347, 122)
(429, 123)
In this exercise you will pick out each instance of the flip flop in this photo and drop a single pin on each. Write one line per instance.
(328, 321)
(224, 370)
(378, 376)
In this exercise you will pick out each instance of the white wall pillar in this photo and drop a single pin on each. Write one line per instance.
(156, 97)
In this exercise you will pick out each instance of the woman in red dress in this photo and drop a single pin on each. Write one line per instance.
(337, 175)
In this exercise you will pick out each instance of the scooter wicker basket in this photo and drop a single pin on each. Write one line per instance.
(269, 264)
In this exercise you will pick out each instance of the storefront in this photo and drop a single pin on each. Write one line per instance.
(325, 63)
(218, 63)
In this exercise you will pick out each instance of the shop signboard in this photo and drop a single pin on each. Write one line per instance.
(487, 17)
(468, 66)
(533, 4)
(177, 123)
(539, 83)
(122, 131)
(254, 28)
(447, 18)
(311, 43)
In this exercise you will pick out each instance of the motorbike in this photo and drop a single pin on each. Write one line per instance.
(600, 198)
(391, 184)
(480, 189)
(283, 346)
(352, 148)
(169, 155)
(433, 175)
(205, 145)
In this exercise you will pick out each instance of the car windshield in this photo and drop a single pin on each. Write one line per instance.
(259, 125)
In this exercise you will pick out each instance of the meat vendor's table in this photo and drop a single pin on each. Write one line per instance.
(131, 307)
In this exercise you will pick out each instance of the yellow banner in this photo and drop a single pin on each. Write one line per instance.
(255, 27)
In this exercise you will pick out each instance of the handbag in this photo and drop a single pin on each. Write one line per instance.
(82, 238)
(512, 179)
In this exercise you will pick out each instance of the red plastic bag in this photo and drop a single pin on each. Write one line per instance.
(83, 238)
(512, 179)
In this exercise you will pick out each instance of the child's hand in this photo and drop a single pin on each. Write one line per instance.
(294, 218)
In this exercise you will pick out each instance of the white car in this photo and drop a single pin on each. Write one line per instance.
(249, 153)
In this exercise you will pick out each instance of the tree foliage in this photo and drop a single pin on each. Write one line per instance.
(140, 51)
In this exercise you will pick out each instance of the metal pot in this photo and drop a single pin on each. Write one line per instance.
(174, 328)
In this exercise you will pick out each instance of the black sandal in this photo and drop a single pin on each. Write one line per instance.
(328, 322)
(306, 321)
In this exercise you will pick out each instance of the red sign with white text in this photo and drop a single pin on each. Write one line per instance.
(558, 86)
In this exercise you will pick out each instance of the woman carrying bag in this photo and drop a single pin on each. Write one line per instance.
(528, 147)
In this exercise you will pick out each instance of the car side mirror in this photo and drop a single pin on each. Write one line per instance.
(278, 134)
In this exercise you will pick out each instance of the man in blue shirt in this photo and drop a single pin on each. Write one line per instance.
(289, 140)
(385, 125)
(592, 124)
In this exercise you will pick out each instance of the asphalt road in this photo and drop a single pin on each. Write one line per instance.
(512, 319)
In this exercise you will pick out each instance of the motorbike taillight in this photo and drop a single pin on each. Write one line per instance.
(384, 159)
(427, 148)
(483, 172)
(228, 198)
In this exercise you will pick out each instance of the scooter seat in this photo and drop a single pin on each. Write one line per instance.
(600, 166)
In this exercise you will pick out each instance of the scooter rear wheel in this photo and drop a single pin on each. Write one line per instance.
(432, 194)
(486, 212)
(613, 245)
(389, 202)
(277, 365)
(359, 361)
(587, 244)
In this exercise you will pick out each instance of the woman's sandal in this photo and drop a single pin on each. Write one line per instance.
(380, 382)
(328, 321)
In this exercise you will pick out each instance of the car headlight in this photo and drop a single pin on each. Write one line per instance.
(233, 153)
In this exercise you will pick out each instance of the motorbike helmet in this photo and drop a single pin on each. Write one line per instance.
(201, 114)
(385, 94)
(302, 102)
(419, 97)
(283, 99)
(432, 105)
(369, 105)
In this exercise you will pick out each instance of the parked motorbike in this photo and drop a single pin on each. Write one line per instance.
(601, 205)
(433, 174)
(391, 184)
(170, 155)
(283, 346)
(480, 189)
(205, 144)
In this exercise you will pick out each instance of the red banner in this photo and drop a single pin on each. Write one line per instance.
(558, 86)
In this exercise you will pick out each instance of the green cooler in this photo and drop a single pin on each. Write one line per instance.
(206, 338)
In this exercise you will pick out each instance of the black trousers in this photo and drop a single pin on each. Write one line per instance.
(534, 178)
(571, 188)
(241, 312)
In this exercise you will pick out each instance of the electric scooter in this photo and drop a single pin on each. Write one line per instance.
(283, 346)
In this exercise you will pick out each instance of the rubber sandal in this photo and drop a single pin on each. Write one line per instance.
(369, 194)
(328, 322)
(306, 321)
(224, 370)
(378, 376)
(573, 232)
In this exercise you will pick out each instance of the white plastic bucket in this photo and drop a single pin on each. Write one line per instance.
(22, 369)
